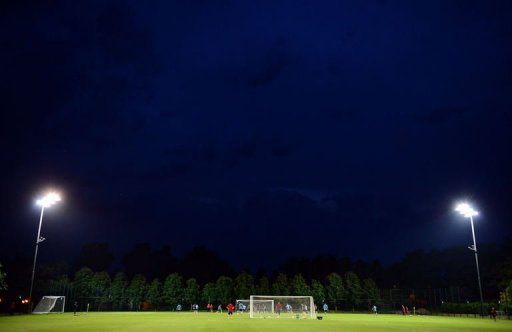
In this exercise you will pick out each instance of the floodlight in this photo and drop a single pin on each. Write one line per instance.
(466, 210)
(48, 200)
(44, 202)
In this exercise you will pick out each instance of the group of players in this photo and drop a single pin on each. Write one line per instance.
(195, 308)
(242, 308)
(261, 308)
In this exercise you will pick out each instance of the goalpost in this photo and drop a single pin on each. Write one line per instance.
(50, 305)
(262, 306)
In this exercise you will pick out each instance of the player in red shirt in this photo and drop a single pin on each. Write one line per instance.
(230, 308)
(278, 308)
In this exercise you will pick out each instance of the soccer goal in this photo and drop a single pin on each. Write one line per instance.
(262, 306)
(50, 305)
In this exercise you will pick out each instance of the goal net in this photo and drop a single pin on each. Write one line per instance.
(50, 304)
(298, 307)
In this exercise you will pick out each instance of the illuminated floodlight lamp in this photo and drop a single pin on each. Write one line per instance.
(466, 210)
(44, 202)
(48, 200)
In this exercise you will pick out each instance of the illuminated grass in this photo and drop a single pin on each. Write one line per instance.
(164, 321)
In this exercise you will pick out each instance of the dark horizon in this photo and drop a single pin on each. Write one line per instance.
(284, 129)
(271, 266)
(59, 253)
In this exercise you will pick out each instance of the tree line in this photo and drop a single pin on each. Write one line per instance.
(416, 269)
(120, 292)
(450, 267)
(424, 277)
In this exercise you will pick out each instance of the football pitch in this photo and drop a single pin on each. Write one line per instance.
(163, 321)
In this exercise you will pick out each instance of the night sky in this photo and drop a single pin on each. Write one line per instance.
(261, 129)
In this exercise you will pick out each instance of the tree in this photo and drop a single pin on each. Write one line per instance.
(263, 287)
(317, 291)
(508, 291)
(172, 292)
(191, 293)
(505, 271)
(151, 263)
(154, 293)
(164, 262)
(100, 284)
(139, 260)
(209, 293)
(57, 285)
(371, 291)
(204, 265)
(52, 270)
(118, 291)
(335, 290)
(3, 283)
(280, 285)
(299, 286)
(51, 278)
(244, 285)
(354, 290)
(96, 256)
(224, 289)
(136, 291)
(83, 284)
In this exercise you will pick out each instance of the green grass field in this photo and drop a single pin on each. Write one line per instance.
(161, 321)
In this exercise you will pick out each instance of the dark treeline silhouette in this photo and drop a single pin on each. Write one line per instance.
(421, 277)
(200, 262)
(96, 256)
(416, 270)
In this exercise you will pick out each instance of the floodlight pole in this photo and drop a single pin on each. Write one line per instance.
(477, 267)
(38, 239)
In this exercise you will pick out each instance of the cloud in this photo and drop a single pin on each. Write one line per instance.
(322, 200)
(86, 80)
(223, 156)
(442, 115)
(259, 66)
(260, 145)
(268, 70)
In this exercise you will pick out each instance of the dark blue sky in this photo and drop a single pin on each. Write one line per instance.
(348, 128)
